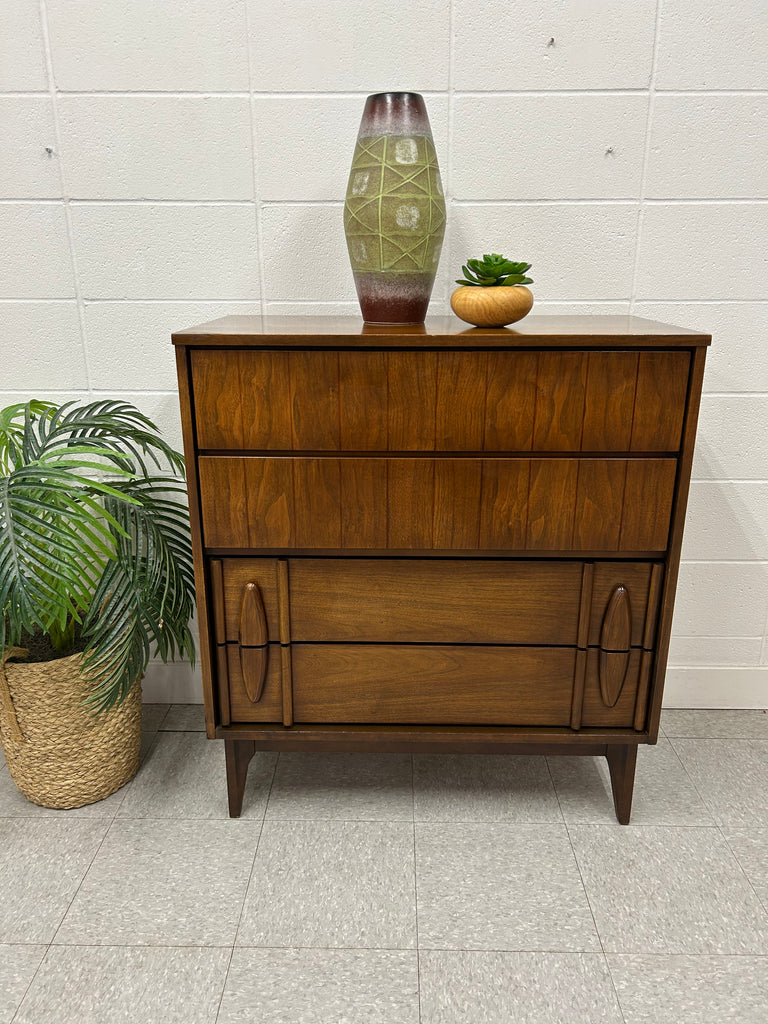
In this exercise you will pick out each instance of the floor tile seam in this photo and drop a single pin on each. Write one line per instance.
(345, 821)
(250, 873)
(735, 739)
(586, 894)
(150, 748)
(411, 950)
(196, 732)
(741, 867)
(330, 949)
(554, 787)
(160, 723)
(709, 956)
(584, 887)
(125, 945)
(32, 979)
(258, 820)
(224, 983)
(710, 809)
(80, 884)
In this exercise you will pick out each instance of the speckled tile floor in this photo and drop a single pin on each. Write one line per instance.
(379, 889)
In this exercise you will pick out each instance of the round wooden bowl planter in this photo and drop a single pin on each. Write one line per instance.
(495, 306)
(59, 753)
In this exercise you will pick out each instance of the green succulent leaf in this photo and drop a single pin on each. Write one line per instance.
(494, 270)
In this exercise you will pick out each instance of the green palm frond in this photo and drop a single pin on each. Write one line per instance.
(92, 531)
(146, 596)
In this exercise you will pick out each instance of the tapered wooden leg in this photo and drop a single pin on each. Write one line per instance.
(621, 764)
(238, 754)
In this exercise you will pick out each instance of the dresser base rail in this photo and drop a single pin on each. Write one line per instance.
(620, 749)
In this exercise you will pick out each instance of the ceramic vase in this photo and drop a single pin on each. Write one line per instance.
(394, 213)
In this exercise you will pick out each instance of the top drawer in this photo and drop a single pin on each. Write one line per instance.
(356, 401)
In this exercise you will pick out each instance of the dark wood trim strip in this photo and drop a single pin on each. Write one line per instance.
(220, 639)
(217, 593)
(675, 541)
(284, 611)
(416, 738)
(651, 612)
(195, 519)
(582, 640)
(222, 682)
(643, 685)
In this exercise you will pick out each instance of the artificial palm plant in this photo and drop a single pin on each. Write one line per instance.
(93, 541)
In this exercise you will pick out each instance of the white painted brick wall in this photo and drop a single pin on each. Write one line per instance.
(199, 155)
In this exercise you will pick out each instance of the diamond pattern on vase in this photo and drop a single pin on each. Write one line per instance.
(394, 215)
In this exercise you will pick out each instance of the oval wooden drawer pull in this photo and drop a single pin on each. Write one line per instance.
(254, 649)
(615, 643)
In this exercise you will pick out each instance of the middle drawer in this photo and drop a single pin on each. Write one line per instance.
(438, 601)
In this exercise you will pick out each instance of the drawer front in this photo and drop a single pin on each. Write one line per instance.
(377, 601)
(366, 600)
(549, 401)
(312, 636)
(469, 504)
(433, 685)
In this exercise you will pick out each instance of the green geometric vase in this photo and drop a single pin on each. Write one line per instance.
(394, 213)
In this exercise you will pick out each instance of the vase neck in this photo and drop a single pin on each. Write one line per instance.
(395, 113)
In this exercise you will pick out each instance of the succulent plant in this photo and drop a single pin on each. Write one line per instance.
(494, 270)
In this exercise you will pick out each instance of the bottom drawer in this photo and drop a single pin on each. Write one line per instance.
(433, 685)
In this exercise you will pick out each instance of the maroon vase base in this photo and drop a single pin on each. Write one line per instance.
(394, 298)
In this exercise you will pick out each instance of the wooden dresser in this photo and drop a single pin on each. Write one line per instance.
(435, 538)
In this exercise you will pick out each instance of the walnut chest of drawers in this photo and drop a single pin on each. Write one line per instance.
(437, 539)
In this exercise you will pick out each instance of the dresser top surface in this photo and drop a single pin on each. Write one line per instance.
(437, 332)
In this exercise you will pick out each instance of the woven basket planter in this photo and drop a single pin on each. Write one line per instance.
(59, 753)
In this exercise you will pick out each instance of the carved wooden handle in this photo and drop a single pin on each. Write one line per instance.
(615, 644)
(254, 642)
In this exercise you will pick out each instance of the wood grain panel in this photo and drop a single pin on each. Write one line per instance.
(551, 502)
(439, 504)
(594, 711)
(410, 503)
(460, 403)
(560, 393)
(599, 501)
(263, 402)
(510, 401)
(433, 685)
(363, 503)
(457, 503)
(412, 400)
(223, 497)
(268, 510)
(363, 401)
(315, 400)
(269, 707)
(434, 601)
(647, 511)
(504, 504)
(317, 502)
(609, 401)
(662, 384)
(216, 390)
